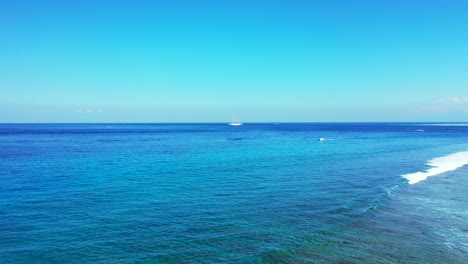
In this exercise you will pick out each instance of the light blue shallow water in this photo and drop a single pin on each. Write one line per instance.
(212, 193)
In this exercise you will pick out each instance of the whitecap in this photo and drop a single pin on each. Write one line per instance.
(447, 124)
(439, 165)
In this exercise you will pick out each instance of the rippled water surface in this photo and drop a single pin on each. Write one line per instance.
(213, 193)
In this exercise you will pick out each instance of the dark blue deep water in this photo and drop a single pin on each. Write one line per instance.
(213, 193)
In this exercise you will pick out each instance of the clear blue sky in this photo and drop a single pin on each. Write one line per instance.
(202, 61)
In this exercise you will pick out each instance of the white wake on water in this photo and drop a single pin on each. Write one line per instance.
(439, 165)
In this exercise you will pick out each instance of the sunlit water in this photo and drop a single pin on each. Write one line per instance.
(213, 193)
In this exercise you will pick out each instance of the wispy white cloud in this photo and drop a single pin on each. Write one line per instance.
(450, 104)
(88, 111)
(454, 99)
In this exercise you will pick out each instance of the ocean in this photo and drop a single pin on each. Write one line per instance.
(214, 193)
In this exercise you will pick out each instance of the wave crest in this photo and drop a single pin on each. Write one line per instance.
(439, 165)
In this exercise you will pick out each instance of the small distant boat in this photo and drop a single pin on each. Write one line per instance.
(235, 122)
(320, 139)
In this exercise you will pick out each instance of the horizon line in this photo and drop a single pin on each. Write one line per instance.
(251, 122)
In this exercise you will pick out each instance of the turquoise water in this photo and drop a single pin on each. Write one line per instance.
(212, 193)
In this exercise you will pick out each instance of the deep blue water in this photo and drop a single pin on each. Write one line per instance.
(212, 193)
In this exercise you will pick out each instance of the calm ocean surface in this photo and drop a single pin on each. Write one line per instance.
(212, 193)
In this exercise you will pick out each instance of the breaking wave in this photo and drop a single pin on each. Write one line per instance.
(439, 165)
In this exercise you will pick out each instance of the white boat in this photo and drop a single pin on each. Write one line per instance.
(235, 122)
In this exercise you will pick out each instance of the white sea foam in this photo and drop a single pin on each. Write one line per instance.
(439, 165)
(447, 124)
